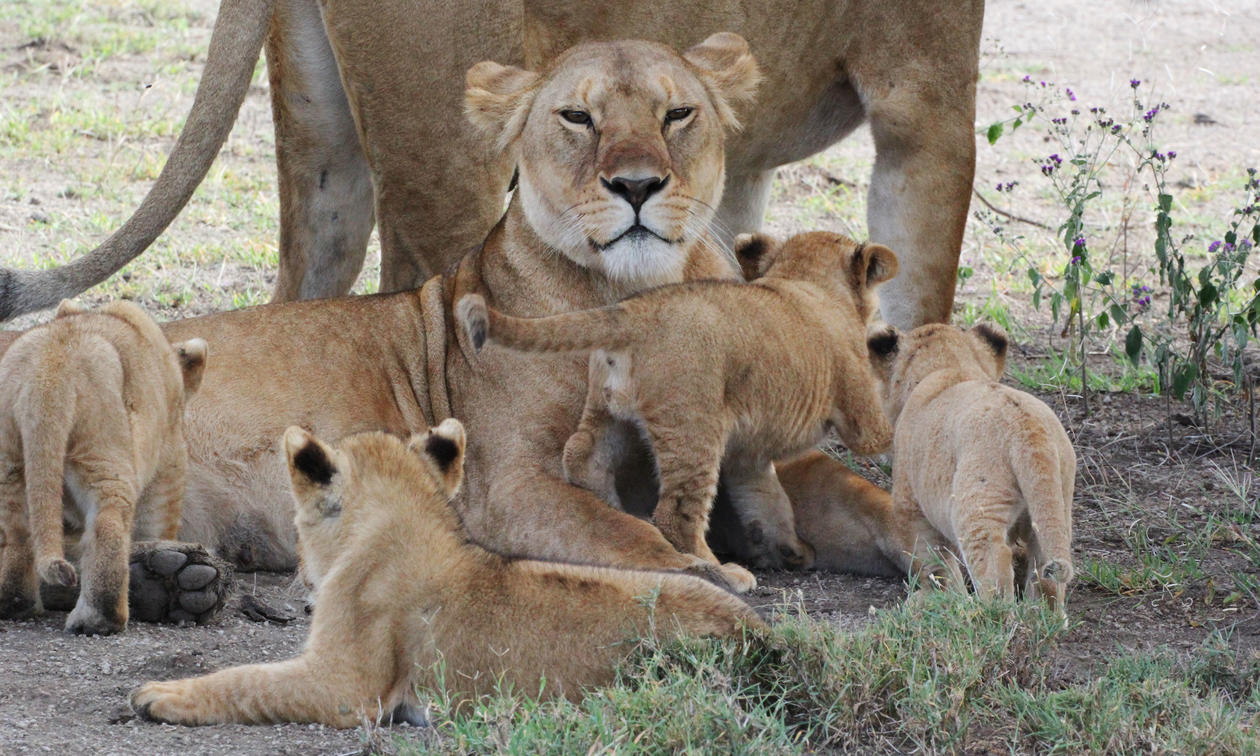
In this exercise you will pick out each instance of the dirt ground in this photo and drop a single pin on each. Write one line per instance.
(60, 694)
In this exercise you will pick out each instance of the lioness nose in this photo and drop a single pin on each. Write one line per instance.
(635, 191)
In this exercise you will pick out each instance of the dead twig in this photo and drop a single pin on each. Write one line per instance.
(1006, 214)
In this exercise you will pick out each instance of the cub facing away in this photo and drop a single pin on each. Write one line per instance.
(404, 598)
(94, 401)
(723, 374)
(989, 466)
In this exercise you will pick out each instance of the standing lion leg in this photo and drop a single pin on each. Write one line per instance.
(744, 203)
(922, 112)
(325, 185)
(593, 451)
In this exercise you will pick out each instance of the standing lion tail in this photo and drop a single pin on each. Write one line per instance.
(239, 31)
(45, 429)
(567, 332)
(1038, 474)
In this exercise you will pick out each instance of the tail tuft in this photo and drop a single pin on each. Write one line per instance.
(58, 572)
(472, 314)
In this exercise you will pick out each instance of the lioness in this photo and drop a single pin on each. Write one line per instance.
(406, 599)
(94, 400)
(990, 466)
(367, 124)
(398, 362)
(723, 373)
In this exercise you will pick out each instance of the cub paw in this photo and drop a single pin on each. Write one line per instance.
(177, 582)
(58, 572)
(162, 702)
(740, 579)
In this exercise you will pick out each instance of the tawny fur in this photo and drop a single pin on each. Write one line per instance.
(409, 367)
(405, 599)
(94, 401)
(724, 374)
(989, 466)
(908, 69)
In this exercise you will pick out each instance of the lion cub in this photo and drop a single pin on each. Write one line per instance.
(723, 374)
(989, 466)
(94, 401)
(404, 598)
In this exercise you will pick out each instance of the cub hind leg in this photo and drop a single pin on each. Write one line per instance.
(19, 583)
(593, 451)
(982, 531)
(106, 491)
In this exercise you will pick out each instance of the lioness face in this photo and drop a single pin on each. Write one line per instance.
(620, 148)
(335, 486)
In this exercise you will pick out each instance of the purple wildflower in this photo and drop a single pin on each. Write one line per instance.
(1135, 83)
(1076, 260)
(1070, 94)
(1172, 154)
(1214, 246)
(1027, 79)
(1078, 242)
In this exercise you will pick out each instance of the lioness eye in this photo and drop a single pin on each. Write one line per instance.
(580, 117)
(677, 114)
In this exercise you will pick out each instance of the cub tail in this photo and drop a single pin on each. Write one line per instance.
(567, 332)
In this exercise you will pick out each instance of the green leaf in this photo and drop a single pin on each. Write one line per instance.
(1184, 377)
(995, 132)
(1133, 344)
(1118, 314)
(1103, 320)
(1165, 202)
(1207, 295)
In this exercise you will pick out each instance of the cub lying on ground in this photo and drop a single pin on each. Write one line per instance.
(94, 400)
(722, 374)
(988, 465)
(403, 596)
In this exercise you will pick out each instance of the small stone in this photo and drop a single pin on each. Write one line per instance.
(194, 577)
(198, 601)
(167, 562)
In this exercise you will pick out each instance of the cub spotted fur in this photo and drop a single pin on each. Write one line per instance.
(989, 466)
(94, 401)
(404, 598)
(722, 374)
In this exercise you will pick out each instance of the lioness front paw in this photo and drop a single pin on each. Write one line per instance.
(177, 582)
(164, 702)
(88, 620)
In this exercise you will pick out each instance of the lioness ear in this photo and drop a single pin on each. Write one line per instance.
(728, 69)
(754, 252)
(442, 449)
(872, 264)
(192, 363)
(497, 99)
(992, 343)
(69, 307)
(313, 472)
(883, 345)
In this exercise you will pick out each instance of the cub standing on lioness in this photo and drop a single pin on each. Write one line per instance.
(94, 400)
(404, 598)
(723, 374)
(990, 466)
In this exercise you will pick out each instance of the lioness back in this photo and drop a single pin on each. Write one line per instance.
(94, 400)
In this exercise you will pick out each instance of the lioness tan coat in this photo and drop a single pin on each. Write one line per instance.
(405, 599)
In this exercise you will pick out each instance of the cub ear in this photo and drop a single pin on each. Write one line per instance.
(883, 345)
(497, 99)
(755, 253)
(729, 71)
(313, 472)
(872, 264)
(69, 307)
(442, 449)
(992, 343)
(192, 363)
